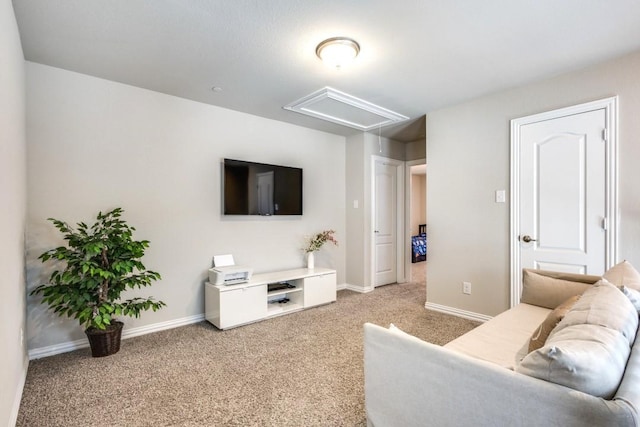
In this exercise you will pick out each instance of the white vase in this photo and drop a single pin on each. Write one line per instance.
(310, 261)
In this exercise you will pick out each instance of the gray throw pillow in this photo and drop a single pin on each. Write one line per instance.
(588, 350)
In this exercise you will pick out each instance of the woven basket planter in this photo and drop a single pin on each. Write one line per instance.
(105, 342)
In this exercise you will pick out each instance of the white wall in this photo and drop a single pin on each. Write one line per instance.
(355, 215)
(359, 152)
(468, 159)
(416, 150)
(418, 202)
(96, 144)
(13, 357)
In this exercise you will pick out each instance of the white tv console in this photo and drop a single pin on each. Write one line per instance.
(228, 306)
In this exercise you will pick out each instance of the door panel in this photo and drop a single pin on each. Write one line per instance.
(242, 306)
(564, 268)
(385, 223)
(319, 290)
(562, 193)
(561, 162)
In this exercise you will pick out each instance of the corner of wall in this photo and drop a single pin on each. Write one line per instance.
(17, 400)
(13, 187)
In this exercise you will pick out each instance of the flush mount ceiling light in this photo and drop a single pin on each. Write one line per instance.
(338, 51)
(344, 109)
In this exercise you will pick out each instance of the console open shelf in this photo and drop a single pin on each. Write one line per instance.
(284, 291)
(277, 309)
(228, 306)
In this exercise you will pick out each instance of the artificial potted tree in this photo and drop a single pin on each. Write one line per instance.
(98, 264)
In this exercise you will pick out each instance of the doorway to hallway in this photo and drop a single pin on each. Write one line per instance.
(416, 238)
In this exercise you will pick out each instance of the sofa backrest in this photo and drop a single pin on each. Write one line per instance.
(628, 393)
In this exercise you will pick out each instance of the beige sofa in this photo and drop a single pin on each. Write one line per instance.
(488, 377)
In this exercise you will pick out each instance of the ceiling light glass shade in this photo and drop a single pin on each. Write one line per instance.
(337, 52)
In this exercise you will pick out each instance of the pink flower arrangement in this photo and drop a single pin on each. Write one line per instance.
(316, 241)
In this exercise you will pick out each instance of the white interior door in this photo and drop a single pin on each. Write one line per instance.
(563, 207)
(562, 194)
(385, 221)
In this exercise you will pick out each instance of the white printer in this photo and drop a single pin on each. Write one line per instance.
(225, 272)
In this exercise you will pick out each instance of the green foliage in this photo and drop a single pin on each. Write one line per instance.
(99, 263)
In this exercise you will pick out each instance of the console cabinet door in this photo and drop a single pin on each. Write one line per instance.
(242, 306)
(319, 290)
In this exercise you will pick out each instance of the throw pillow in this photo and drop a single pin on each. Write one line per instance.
(587, 358)
(588, 350)
(548, 292)
(603, 305)
(541, 334)
(623, 274)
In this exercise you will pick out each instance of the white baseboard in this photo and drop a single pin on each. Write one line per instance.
(52, 350)
(37, 353)
(13, 417)
(457, 312)
(355, 288)
(156, 327)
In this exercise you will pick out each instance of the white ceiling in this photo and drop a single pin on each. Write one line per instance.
(416, 55)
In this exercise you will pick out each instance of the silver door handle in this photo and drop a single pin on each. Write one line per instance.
(526, 238)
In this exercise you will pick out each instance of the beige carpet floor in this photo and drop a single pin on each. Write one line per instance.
(302, 369)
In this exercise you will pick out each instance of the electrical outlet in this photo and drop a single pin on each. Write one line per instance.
(466, 288)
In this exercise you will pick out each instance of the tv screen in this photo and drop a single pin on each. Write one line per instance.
(261, 189)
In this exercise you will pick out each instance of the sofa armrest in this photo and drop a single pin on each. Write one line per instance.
(410, 382)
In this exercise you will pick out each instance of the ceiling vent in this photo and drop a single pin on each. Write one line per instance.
(341, 108)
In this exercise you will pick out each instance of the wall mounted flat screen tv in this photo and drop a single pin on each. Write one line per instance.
(260, 189)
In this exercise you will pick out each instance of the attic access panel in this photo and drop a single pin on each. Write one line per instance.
(341, 108)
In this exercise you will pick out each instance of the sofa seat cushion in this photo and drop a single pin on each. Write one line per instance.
(588, 350)
(503, 340)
